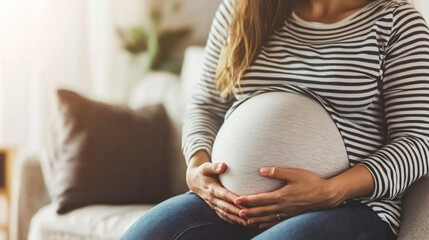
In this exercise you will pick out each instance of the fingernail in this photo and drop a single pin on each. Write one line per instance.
(265, 171)
(238, 202)
(242, 214)
(251, 221)
(219, 167)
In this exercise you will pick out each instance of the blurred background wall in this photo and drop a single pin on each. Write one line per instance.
(45, 44)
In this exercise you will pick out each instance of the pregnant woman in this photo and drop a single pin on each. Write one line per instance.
(310, 121)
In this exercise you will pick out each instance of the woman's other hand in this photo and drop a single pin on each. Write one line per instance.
(305, 191)
(202, 179)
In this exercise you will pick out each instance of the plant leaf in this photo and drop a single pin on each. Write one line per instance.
(134, 41)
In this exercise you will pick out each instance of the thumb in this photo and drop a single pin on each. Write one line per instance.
(287, 174)
(214, 168)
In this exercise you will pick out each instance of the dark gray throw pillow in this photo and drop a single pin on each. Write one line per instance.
(107, 154)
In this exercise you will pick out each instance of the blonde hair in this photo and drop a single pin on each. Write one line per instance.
(253, 22)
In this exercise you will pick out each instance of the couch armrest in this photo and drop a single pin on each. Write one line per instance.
(29, 194)
(415, 211)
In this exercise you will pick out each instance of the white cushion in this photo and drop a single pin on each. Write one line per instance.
(88, 223)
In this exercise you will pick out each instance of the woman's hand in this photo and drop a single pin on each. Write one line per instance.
(202, 179)
(304, 192)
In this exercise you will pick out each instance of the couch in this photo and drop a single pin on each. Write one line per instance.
(33, 214)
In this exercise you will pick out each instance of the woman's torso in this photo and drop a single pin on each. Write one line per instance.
(336, 64)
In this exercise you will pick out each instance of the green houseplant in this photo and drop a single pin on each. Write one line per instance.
(154, 43)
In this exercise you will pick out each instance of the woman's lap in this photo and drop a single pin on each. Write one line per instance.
(187, 216)
(352, 220)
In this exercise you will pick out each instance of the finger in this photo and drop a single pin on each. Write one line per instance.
(226, 216)
(258, 199)
(222, 193)
(218, 212)
(268, 225)
(223, 218)
(265, 219)
(259, 211)
(213, 168)
(227, 207)
(230, 217)
(288, 174)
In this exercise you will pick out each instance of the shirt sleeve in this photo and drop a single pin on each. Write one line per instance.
(405, 90)
(205, 113)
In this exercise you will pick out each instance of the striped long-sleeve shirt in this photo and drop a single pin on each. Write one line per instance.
(370, 71)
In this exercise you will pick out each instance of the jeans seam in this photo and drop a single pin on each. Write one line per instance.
(192, 227)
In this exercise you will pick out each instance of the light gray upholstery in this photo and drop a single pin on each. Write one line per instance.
(28, 196)
(97, 222)
(415, 211)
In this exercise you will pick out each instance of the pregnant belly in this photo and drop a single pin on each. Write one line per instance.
(277, 129)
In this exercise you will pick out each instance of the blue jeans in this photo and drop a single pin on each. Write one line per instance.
(187, 216)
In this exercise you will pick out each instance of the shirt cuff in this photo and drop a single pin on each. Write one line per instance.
(371, 168)
(195, 148)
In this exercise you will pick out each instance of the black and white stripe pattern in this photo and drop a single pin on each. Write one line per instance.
(370, 72)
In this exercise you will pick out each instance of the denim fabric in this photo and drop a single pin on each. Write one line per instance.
(187, 216)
